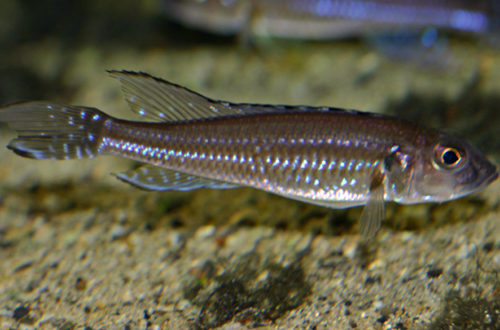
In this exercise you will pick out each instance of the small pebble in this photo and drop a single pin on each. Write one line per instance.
(20, 312)
(434, 272)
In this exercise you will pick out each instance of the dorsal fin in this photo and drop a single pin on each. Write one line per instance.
(150, 177)
(159, 100)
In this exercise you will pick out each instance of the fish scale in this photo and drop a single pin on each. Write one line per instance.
(326, 156)
(225, 156)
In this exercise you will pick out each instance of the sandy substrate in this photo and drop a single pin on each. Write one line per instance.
(80, 249)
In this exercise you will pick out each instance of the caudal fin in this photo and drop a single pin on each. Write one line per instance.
(54, 131)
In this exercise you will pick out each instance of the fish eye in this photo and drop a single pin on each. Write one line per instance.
(448, 157)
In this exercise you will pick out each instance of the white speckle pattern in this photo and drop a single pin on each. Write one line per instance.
(326, 166)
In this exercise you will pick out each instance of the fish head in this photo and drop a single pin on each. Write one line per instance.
(450, 167)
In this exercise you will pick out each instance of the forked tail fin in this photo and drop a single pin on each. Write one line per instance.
(54, 131)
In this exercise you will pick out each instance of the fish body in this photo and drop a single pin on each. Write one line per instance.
(320, 19)
(325, 156)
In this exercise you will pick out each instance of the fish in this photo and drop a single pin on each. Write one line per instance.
(327, 156)
(332, 19)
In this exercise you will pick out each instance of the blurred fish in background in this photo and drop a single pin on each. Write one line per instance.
(407, 30)
(329, 19)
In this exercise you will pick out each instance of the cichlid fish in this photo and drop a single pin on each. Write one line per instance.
(326, 156)
(326, 19)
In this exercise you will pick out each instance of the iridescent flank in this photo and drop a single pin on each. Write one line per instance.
(255, 161)
(326, 156)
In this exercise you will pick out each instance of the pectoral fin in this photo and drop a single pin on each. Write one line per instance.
(373, 213)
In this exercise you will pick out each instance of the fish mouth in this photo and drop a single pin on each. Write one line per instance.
(490, 176)
(487, 175)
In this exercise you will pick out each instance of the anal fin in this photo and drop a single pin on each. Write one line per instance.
(150, 177)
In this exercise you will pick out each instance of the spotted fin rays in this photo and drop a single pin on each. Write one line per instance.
(149, 177)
